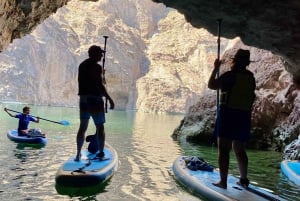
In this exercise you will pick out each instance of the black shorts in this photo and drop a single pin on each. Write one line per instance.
(233, 124)
(92, 106)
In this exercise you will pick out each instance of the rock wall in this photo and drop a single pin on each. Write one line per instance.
(273, 25)
(179, 57)
(20, 17)
(156, 61)
(46, 60)
(275, 117)
(292, 151)
(269, 25)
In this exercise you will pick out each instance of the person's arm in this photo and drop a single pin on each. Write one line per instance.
(106, 95)
(37, 120)
(111, 102)
(213, 83)
(5, 109)
(103, 89)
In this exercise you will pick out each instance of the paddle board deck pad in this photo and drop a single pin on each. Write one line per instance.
(200, 182)
(291, 168)
(13, 135)
(89, 171)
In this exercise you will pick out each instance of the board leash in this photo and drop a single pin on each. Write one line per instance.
(81, 169)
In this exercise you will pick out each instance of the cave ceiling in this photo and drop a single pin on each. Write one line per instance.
(266, 24)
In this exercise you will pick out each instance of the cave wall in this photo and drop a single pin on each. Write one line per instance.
(269, 25)
(20, 17)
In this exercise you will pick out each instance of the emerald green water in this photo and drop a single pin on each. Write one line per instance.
(146, 152)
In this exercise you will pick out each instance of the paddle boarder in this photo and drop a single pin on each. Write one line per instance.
(24, 120)
(91, 104)
(234, 116)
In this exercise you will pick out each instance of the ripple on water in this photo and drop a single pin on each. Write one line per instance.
(146, 152)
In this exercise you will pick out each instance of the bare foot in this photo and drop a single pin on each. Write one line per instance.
(220, 185)
(243, 182)
(77, 158)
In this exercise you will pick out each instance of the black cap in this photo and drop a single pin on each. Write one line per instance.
(94, 50)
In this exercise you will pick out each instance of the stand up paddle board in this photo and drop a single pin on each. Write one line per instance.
(13, 135)
(89, 172)
(200, 182)
(291, 168)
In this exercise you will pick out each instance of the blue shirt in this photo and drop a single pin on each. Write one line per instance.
(24, 121)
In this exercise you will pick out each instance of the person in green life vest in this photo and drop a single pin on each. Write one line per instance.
(233, 122)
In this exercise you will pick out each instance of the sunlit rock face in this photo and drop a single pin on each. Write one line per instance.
(270, 25)
(155, 61)
(41, 68)
(180, 57)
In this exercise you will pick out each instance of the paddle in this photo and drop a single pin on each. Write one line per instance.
(103, 62)
(65, 123)
(218, 57)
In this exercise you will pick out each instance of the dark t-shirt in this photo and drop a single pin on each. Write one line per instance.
(90, 80)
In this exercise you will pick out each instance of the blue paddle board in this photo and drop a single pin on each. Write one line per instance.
(291, 168)
(89, 171)
(13, 135)
(200, 182)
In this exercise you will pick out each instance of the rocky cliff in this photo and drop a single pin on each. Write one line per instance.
(269, 25)
(20, 17)
(157, 60)
(46, 60)
(275, 113)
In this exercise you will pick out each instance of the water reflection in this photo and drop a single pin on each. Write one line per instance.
(22, 146)
(288, 189)
(153, 152)
(89, 193)
(146, 152)
(23, 150)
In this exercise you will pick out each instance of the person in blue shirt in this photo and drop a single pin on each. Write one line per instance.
(24, 119)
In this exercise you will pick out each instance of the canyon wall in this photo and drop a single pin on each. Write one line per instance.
(158, 60)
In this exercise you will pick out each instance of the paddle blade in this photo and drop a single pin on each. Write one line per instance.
(65, 123)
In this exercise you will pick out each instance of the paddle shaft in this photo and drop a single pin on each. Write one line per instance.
(218, 57)
(36, 117)
(218, 75)
(103, 63)
(103, 60)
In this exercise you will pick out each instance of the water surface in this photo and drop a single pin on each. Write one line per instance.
(146, 152)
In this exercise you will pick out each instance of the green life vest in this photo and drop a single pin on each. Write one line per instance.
(241, 95)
